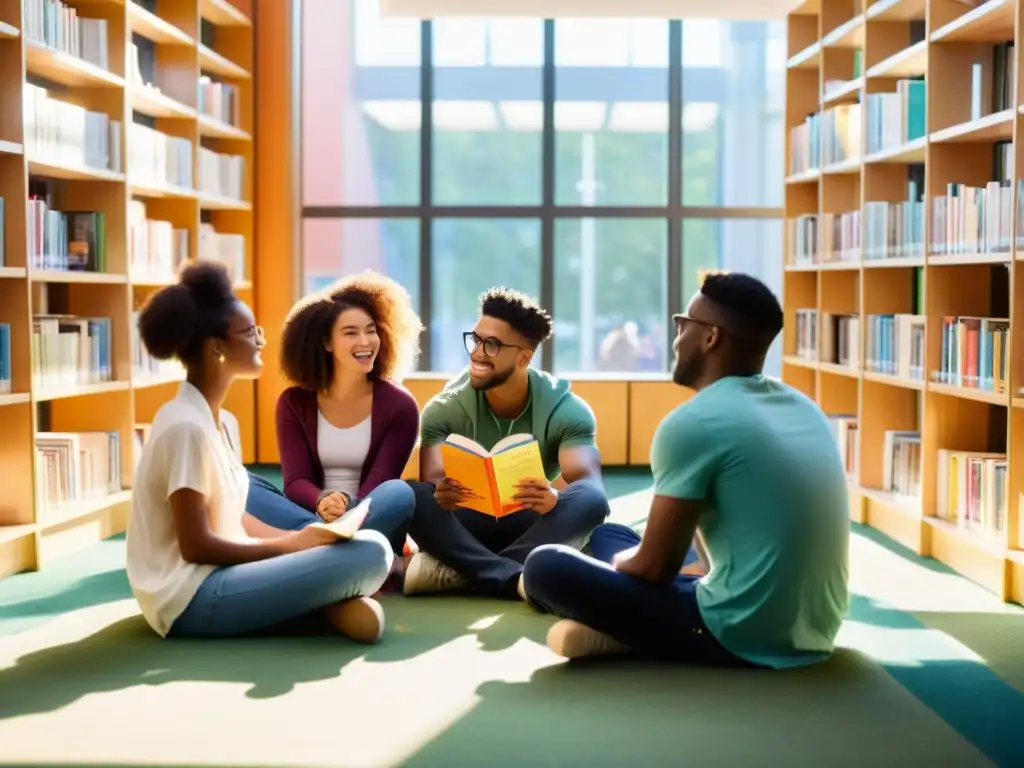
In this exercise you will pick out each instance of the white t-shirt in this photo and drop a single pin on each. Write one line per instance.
(342, 453)
(185, 449)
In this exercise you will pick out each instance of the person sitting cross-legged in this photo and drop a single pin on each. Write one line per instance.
(751, 464)
(501, 395)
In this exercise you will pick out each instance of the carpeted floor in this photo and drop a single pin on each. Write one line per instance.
(930, 672)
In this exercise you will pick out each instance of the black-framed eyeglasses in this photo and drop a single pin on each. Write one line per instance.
(492, 346)
(682, 320)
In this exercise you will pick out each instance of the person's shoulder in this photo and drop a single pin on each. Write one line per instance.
(397, 396)
(296, 398)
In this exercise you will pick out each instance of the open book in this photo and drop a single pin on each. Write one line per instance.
(489, 477)
(345, 527)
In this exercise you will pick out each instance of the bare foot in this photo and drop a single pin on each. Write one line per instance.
(361, 618)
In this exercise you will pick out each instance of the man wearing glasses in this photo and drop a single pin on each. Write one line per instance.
(752, 464)
(498, 395)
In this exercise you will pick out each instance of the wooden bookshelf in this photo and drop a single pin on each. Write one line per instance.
(184, 150)
(902, 294)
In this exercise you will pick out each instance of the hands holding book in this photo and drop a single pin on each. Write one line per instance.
(331, 506)
(537, 494)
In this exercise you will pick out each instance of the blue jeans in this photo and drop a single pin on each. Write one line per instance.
(390, 513)
(241, 599)
(655, 621)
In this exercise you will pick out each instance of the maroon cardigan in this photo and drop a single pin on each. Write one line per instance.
(394, 429)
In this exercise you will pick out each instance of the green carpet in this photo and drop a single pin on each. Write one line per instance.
(928, 673)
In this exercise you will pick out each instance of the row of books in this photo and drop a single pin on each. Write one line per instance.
(60, 27)
(972, 219)
(824, 238)
(62, 133)
(69, 351)
(834, 135)
(225, 247)
(155, 248)
(974, 353)
(144, 366)
(840, 339)
(219, 100)
(74, 468)
(65, 240)
(6, 374)
(844, 429)
(972, 488)
(894, 345)
(221, 174)
(158, 159)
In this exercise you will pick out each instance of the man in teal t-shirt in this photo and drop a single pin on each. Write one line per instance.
(497, 396)
(751, 464)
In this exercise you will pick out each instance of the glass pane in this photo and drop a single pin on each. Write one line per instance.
(733, 84)
(470, 256)
(611, 297)
(332, 248)
(611, 112)
(753, 246)
(360, 121)
(487, 118)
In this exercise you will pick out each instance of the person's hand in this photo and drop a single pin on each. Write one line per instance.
(332, 507)
(448, 494)
(312, 536)
(537, 494)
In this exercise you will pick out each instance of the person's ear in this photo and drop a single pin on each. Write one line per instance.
(714, 337)
(525, 356)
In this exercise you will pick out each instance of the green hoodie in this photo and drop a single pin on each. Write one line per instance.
(554, 415)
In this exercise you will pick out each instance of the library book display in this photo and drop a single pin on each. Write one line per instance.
(126, 149)
(903, 296)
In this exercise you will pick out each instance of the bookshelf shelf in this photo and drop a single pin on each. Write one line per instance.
(164, 91)
(901, 289)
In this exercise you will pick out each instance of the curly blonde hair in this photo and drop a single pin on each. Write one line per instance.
(305, 360)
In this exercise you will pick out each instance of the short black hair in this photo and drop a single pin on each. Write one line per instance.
(517, 309)
(748, 299)
(177, 319)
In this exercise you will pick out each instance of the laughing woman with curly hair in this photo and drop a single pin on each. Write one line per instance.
(345, 429)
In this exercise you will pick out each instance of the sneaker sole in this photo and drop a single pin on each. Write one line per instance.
(360, 619)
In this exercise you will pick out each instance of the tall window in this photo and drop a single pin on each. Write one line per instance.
(600, 165)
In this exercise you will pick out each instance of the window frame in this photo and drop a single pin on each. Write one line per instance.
(548, 212)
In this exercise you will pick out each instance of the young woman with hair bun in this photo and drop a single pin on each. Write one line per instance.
(193, 568)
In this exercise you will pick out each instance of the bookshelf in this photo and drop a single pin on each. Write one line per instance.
(903, 299)
(126, 148)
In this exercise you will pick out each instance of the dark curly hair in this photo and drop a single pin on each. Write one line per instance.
(520, 311)
(177, 319)
(306, 362)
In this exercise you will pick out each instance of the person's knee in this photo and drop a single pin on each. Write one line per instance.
(544, 566)
(590, 502)
(399, 497)
(373, 552)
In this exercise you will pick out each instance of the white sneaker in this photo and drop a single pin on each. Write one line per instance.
(573, 640)
(521, 588)
(426, 574)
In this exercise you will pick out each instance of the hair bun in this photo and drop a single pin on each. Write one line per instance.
(208, 283)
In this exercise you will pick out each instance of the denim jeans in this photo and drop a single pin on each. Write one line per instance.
(241, 599)
(490, 552)
(390, 512)
(655, 621)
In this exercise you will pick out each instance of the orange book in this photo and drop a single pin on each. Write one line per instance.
(490, 477)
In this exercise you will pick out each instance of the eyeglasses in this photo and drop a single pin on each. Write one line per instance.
(252, 332)
(683, 319)
(492, 346)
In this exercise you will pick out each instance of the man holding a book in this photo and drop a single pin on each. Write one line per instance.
(508, 461)
(752, 465)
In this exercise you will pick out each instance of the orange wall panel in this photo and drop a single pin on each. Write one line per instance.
(649, 403)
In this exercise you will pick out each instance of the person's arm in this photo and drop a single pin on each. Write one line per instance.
(578, 457)
(684, 461)
(188, 490)
(297, 469)
(398, 444)
(434, 428)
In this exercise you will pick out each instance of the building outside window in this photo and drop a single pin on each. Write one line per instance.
(600, 165)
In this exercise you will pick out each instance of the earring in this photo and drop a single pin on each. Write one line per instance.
(221, 357)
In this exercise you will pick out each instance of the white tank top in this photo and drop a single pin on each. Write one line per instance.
(342, 453)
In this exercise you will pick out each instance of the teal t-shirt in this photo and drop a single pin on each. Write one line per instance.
(776, 524)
